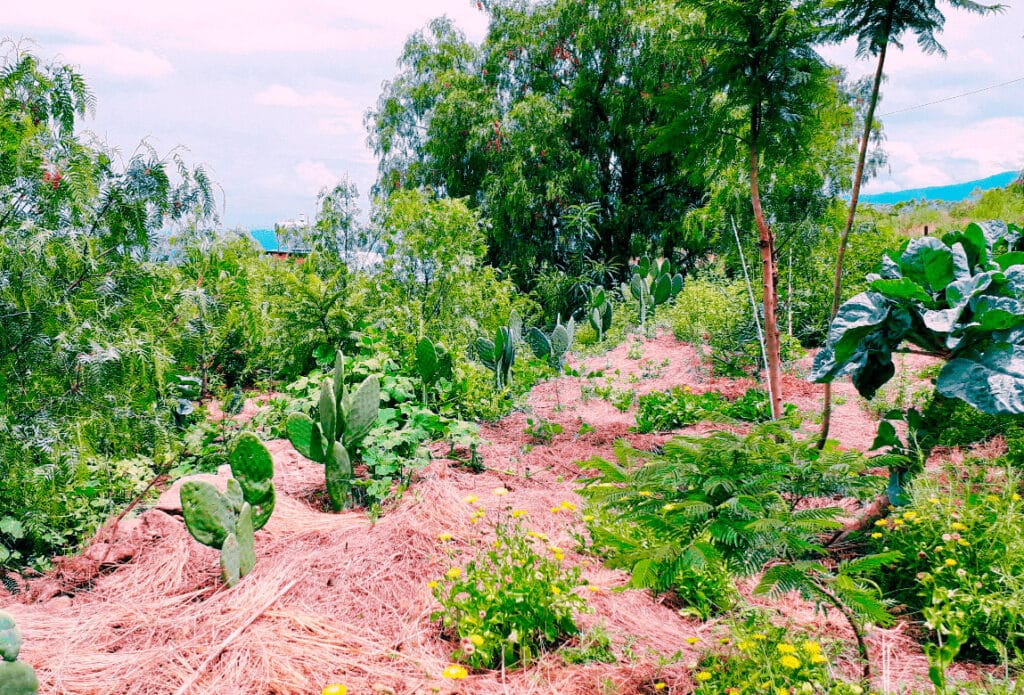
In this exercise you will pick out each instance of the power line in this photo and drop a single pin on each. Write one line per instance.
(955, 96)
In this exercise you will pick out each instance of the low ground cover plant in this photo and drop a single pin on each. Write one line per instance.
(514, 600)
(680, 406)
(961, 560)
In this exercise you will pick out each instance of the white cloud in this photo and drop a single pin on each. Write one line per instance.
(280, 95)
(313, 175)
(117, 60)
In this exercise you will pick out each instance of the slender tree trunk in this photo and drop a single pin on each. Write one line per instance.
(826, 411)
(766, 243)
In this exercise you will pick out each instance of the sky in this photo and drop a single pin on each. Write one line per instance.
(270, 96)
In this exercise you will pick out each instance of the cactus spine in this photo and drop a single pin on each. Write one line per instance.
(16, 677)
(228, 521)
(500, 354)
(652, 284)
(345, 417)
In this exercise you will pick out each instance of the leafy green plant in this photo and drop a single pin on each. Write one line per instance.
(957, 298)
(510, 603)
(344, 419)
(652, 284)
(542, 431)
(592, 646)
(16, 677)
(961, 560)
(724, 500)
(227, 521)
(680, 406)
(500, 354)
(553, 348)
(761, 656)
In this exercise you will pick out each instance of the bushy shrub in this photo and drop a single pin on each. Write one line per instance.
(761, 656)
(724, 501)
(512, 602)
(680, 406)
(955, 423)
(962, 566)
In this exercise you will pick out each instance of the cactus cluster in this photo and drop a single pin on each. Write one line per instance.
(500, 354)
(554, 347)
(652, 283)
(16, 677)
(433, 362)
(345, 417)
(599, 311)
(229, 520)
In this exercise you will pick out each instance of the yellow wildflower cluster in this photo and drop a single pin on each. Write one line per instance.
(455, 672)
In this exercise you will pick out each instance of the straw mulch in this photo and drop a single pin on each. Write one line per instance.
(335, 598)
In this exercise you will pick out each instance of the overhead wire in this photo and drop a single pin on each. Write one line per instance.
(955, 96)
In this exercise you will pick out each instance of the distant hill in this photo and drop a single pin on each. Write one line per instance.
(950, 194)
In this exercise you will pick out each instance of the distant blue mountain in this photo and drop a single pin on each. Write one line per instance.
(954, 193)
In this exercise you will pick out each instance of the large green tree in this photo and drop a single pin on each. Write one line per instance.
(767, 98)
(876, 24)
(555, 109)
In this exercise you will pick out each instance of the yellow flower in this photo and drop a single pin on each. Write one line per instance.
(759, 636)
(477, 640)
(818, 659)
(785, 648)
(334, 689)
(897, 522)
(453, 573)
(499, 491)
(909, 516)
(790, 661)
(432, 584)
(1015, 497)
(950, 562)
(876, 535)
(555, 590)
(455, 672)
(811, 647)
(469, 499)
(568, 506)
(588, 518)
(992, 499)
(518, 513)
(594, 589)
(444, 537)
(934, 500)
(744, 645)
(555, 510)
(963, 541)
(645, 493)
(660, 685)
(957, 526)
(881, 522)
(703, 676)
(534, 534)
(692, 640)
(782, 691)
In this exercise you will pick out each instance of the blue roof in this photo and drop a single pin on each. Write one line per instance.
(266, 239)
(954, 193)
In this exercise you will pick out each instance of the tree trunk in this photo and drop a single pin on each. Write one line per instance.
(766, 243)
(826, 411)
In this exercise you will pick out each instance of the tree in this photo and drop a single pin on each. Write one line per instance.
(337, 230)
(554, 109)
(764, 87)
(876, 24)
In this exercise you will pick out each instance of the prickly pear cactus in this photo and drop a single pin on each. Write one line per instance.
(253, 468)
(345, 418)
(229, 520)
(16, 677)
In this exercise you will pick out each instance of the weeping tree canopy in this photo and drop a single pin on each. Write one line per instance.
(555, 109)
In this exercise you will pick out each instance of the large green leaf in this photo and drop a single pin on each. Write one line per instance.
(904, 288)
(426, 359)
(856, 319)
(992, 380)
(929, 263)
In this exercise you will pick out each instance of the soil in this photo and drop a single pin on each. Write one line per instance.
(338, 598)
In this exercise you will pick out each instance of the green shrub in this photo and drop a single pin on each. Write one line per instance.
(962, 566)
(955, 423)
(660, 411)
(763, 657)
(510, 603)
(726, 502)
